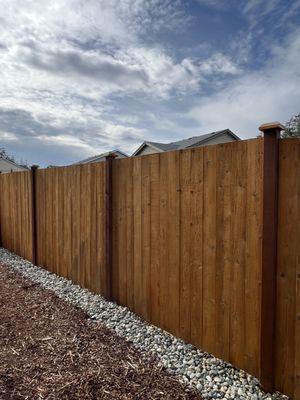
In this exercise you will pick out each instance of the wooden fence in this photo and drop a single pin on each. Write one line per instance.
(287, 371)
(70, 223)
(180, 238)
(187, 247)
(16, 213)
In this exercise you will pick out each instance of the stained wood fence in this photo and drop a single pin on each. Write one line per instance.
(182, 239)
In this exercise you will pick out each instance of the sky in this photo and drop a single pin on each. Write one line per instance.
(82, 77)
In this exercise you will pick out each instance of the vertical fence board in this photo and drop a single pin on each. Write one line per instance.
(116, 178)
(155, 238)
(163, 240)
(196, 246)
(129, 237)
(173, 244)
(145, 237)
(238, 266)
(126, 260)
(223, 255)
(185, 236)
(94, 267)
(253, 254)
(137, 232)
(209, 247)
(75, 211)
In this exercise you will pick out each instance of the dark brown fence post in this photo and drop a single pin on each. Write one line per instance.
(271, 135)
(33, 213)
(108, 225)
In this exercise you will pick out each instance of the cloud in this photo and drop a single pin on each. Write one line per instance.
(215, 4)
(87, 65)
(269, 94)
(86, 21)
(21, 131)
(261, 12)
(65, 65)
(219, 64)
(85, 76)
(60, 83)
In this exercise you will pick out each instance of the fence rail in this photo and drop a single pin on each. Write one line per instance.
(183, 245)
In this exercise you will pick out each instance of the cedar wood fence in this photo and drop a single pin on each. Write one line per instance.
(188, 239)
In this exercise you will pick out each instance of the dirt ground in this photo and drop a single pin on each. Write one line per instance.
(51, 350)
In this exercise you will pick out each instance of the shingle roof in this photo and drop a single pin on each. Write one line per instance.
(163, 146)
(185, 143)
(100, 156)
(14, 163)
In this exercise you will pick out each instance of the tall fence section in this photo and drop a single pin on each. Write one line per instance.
(188, 239)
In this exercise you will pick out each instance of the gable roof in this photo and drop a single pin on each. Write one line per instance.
(184, 143)
(11, 162)
(99, 157)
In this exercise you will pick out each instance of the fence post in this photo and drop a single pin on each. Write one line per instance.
(271, 135)
(33, 213)
(108, 225)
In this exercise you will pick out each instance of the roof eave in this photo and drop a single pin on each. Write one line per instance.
(215, 135)
(95, 158)
(13, 163)
(144, 144)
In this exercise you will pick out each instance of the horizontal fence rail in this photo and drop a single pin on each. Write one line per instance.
(181, 238)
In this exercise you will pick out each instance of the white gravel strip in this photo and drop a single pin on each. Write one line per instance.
(214, 378)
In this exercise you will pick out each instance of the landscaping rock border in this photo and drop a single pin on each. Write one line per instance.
(214, 378)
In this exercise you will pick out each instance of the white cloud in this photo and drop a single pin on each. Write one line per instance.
(219, 64)
(73, 48)
(272, 93)
(63, 61)
(258, 12)
(110, 21)
(85, 76)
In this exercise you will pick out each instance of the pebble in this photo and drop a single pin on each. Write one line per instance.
(201, 371)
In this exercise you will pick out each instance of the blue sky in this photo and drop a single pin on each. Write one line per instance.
(80, 77)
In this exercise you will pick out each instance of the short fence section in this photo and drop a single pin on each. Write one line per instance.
(70, 219)
(16, 213)
(186, 239)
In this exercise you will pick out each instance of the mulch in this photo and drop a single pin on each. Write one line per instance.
(51, 350)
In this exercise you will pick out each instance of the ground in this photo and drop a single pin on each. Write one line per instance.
(52, 350)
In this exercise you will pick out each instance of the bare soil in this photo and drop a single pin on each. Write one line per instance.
(51, 350)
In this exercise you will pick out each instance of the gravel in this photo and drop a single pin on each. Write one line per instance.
(214, 378)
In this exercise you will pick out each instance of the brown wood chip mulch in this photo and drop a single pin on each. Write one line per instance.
(51, 350)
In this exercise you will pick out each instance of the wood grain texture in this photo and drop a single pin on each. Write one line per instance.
(253, 256)
(187, 232)
(195, 223)
(16, 213)
(287, 368)
(71, 224)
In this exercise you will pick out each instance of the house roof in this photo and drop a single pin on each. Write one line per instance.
(184, 143)
(14, 163)
(98, 157)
